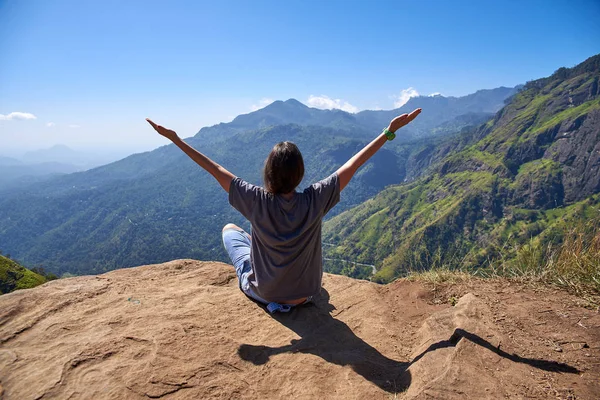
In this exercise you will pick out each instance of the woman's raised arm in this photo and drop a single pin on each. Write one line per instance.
(222, 176)
(346, 171)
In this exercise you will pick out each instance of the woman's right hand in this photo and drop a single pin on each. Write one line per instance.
(402, 120)
(168, 133)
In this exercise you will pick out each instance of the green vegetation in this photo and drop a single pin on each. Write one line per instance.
(567, 256)
(159, 206)
(14, 276)
(405, 225)
(511, 197)
(178, 211)
(569, 114)
(520, 200)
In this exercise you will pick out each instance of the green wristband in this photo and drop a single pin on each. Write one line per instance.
(388, 134)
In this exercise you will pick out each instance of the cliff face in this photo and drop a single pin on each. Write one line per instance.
(569, 135)
(552, 119)
(183, 330)
(576, 147)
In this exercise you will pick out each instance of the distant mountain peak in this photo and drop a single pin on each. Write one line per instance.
(295, 102)
(59, 146)
(284, 105)
(281, 105)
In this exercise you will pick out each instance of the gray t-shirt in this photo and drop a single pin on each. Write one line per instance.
(286, 237)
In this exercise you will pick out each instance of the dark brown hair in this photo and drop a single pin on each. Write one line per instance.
(284, 168)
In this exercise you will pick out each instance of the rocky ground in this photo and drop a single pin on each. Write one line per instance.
(183, 330)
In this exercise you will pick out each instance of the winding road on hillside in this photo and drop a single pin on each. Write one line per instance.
(352, 262)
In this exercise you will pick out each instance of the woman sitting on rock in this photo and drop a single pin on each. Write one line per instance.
(280, 263)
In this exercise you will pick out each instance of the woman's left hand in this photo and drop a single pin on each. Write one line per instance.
(402, 120)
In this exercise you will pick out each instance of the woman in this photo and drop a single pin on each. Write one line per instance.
(280, 264)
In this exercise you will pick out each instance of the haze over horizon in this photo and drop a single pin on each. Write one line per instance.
(86, 75)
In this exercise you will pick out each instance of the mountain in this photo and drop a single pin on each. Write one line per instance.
(283, 113)
(159, 205)
(293, 112)
(137, 209)
(14, 276)
(20, 174)
(440, 110)
(514, 185)
(56, 153)
(9, 161)
(184, 330)
(37, 166)
(65, 155)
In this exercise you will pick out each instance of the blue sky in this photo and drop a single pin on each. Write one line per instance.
(90, 71)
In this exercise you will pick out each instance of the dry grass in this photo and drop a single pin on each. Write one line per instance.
(572, 264)
(576, 262)
(438, 276)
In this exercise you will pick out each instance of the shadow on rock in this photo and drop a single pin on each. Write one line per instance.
(333, 341)
(459, 334)
(545, 365)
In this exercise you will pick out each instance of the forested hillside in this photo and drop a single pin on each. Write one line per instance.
(157, 206)
(518, 182)
(14, 276)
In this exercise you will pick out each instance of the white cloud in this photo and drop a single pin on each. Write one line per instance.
(404, 96)
(435, 94)
(326, 103)
(17, 115)
(74, 126)
(265, 101)
(50, 124)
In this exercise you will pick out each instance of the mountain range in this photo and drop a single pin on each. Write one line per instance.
(156, 206)
(441, 111)
(35, 166)
(508, 190)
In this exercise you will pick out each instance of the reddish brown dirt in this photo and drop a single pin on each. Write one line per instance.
(183, 330)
